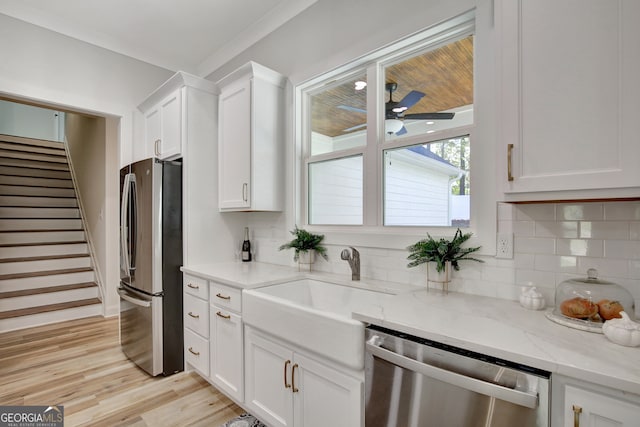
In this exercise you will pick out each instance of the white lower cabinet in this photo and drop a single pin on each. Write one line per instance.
(578, 403)
(585, 408)
(226, 352)
(225, 337)
(287, 388)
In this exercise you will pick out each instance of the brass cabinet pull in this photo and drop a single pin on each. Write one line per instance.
(192, 286)
(219, 295)
(156, 145)
(286, 364)
(509, 165)
(576, 415)
(224, 316)
(196, 353)
(195, 316)
(293, 378)
(245, 193)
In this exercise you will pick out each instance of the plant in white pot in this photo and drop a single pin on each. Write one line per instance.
(305, 246)
(444, 254)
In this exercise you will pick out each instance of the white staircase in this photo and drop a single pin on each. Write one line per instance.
(46, 274)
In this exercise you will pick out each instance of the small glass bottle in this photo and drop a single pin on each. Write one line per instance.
(246, 246)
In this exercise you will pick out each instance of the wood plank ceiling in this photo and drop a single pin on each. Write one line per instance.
(444, 75)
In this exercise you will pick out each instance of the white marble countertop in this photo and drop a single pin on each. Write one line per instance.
(504, 329)
(496, 327)
(244, 275)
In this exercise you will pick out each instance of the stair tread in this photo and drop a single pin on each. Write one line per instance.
(48, 308)
(44, 257)
(47, 230)
(27, 292)
(63, 242)
(45, 273)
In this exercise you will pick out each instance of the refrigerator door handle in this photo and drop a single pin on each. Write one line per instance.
(125, 238)
(127, 297)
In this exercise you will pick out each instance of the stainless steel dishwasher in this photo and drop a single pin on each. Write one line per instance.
(414, 382)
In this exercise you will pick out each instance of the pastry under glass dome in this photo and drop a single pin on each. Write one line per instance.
(586, 303)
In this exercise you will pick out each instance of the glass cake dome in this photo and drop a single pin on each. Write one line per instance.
(586, 303)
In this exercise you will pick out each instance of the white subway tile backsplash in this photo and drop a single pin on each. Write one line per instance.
(534, 245)
(606, 267)
(567, 229)
(580, 247)
(552, 243)
(634, 269)
(535, 212)
(506, 212)
(580, 211)
(604, 230)
(556, 263)
(621, 211)
(539, 279)
(524, 228)
(625, 249)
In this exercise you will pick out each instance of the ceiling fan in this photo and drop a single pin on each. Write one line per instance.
(395, 111)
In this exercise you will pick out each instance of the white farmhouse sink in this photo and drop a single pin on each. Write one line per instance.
(314, 315)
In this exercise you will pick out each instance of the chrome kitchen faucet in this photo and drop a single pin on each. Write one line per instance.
(354, 261)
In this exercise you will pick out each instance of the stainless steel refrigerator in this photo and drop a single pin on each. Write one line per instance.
(151, 328)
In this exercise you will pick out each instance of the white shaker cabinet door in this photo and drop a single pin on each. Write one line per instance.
(268, 392)
(324, 396)
(569, 96)
(226, 352)
(588, 409)
(235, 128)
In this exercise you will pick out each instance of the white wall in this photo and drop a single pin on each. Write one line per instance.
(29, 121)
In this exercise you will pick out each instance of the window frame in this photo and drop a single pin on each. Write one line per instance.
(373, 232)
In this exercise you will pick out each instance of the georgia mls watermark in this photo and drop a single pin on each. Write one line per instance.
(32, 416)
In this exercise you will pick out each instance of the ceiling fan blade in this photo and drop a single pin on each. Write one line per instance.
(429, 116)
(401, 131)
(354, 109)
(410, 99)
(354, 127)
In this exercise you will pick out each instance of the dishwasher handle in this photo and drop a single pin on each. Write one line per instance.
(529, 400)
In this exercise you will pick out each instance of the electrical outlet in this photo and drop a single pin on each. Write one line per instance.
(505, 246)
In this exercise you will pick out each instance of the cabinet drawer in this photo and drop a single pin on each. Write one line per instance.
(196, 315)
(196, 286)
(226, 297)
(196, 351)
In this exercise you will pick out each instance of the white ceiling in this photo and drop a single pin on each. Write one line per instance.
(197, 36)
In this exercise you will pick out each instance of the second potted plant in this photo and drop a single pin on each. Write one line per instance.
(443, 253)
(305, 246)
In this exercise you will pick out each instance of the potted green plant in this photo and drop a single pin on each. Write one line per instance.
(305, 245)
(444, 253)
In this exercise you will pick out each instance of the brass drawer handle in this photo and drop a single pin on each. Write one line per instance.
(509, 165)
(286, 364)
(219, 295)
(224, 316)
(195, 353)
(192, 286)
(195, 316)
(576, 415)
(293, 378)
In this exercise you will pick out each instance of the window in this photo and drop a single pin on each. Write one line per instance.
(387, 143)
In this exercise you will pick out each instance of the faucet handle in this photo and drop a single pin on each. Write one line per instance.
(345, 255)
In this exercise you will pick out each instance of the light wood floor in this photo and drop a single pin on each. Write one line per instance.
(79, 364)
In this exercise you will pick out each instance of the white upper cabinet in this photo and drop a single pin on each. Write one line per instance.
(165, 115)
(569, 99)
(251, 140)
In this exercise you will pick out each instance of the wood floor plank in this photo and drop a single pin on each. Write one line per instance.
(79, 364)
